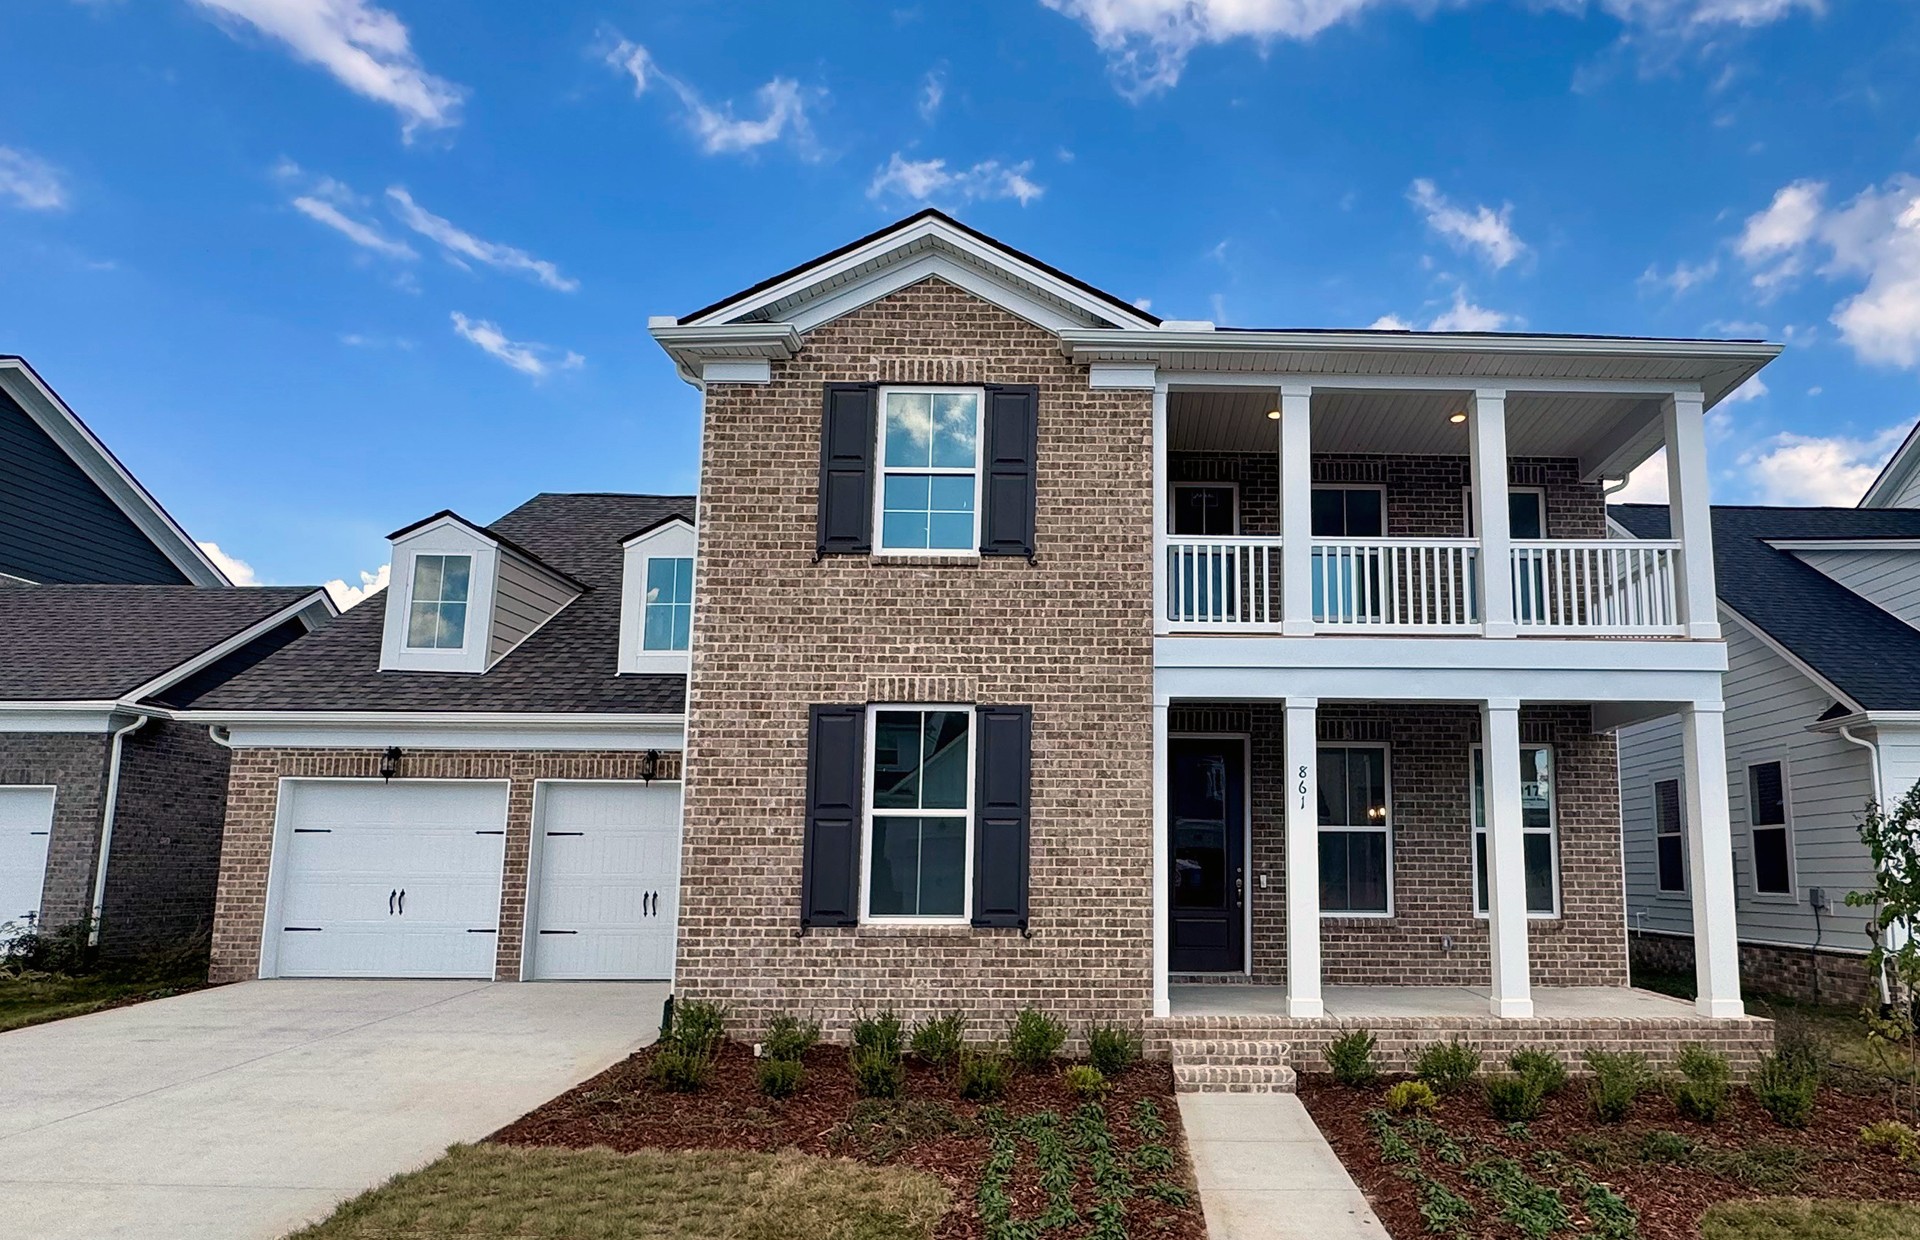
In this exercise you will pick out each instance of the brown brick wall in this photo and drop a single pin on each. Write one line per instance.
(253, 800)
(1428, 772)
(1068, 634)
(75, 764)
(166, 838)
(1767, 969)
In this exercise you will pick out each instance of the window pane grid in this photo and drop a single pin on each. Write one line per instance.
(929, 450)
(919, 813)
(668, 620)
(1355, 835)
(437, 611)
(1667, 824)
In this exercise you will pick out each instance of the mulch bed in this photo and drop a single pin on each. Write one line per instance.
(930, 1128)
(1744, 1154)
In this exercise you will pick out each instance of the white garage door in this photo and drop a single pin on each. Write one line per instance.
(26, 824)
(609, 884)
(396, 879)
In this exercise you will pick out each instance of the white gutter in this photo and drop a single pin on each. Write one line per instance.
(1879, 799)
(436, 718)
(106, 827)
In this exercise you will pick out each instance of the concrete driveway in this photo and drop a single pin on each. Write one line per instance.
(242, 1112)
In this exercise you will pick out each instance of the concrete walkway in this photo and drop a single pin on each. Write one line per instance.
(242, 1112)
(1266, 1173)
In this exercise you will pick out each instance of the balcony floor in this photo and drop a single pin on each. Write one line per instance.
(1391, 1002)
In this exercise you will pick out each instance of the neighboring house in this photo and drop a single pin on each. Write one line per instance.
(477, 774)
(1043, 644)
(110, 616)
(1822, 612)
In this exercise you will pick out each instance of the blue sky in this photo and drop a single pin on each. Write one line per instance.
(316, 268)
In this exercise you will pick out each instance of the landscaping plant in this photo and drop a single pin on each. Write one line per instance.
(1543, 1067)
(939, 1039)
(1035, 1039)
(1893, 840)
(881, 1032)
(1112, 1049)
(1787, 1089)
(1705, 1084)
(1893, 1137)
(789, 1038)
(1619, 1078)
(1083, 1080)
(981, 1075)
(1515, 1099)
(1350, 1058)
(1405, 1096)
(779, 1078)
(879, 1067)
(1447, 1066)
(684, 1060)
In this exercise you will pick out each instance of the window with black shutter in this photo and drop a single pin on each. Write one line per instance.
(1003, 816)
(846, 469)
(830, 865)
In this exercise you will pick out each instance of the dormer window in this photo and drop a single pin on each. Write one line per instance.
(656, 599)
(437, 618)
(669, 619)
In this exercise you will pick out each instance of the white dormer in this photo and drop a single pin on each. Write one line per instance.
(656, 599)
(462, 598)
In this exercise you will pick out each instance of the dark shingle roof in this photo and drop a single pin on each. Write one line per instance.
(1865, 652)
(98, 642)
(567, 665)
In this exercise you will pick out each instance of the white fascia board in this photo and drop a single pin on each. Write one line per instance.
(1793, 660)
(86, 450)
(443, 730)
(303, 609)
(76, 716)
(1096, 339)
(653, 532)
(1436, 684)
(1466, 654)
(694, 348)
(988, 286)
(752, 370)
(1898, 470)
(1124, 375)
(1844, 544)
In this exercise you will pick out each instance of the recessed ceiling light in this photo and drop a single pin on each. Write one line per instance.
(1457, 418)
(1273, 415)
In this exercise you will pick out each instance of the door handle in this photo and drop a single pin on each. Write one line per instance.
(390, 896)
(403, 901)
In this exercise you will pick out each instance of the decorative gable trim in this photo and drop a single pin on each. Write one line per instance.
(669, 538)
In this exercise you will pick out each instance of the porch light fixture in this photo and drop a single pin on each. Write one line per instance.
(390, 762)
(1457, 418)
(649, 765)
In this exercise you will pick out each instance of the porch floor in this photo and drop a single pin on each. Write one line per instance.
(1376, 1002)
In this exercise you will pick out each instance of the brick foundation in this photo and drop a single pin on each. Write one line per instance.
(253, 802)
(1766, 969)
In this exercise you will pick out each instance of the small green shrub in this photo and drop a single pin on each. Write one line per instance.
(788, 1038)
(698, 1027)
(1619, 1078)
(1515, 1099)
(1786, 1088)
(1406, 1096)
(1705, 1084)
(1085, 1081)
(680, 1071)
(1350, 1058)
(1802, 1047)
(1035, 1039)
(882, 1033)
(1447, 1066)
(779, 1078)
(939, 1039)
(1893, 1137)
(1661, 1146)
(982, 1076)
(1112, 1049)
(1153, 1158)
(1543, 1067)
(877, 1074)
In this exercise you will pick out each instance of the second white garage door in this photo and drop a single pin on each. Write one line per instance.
(396, 879)
(607, 897)
(26, 825)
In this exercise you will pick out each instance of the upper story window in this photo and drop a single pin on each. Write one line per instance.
(437, 605)
(669, 618)
(1526, 513)
(1349, 512)
(656, 598)
(929, 469)
(1206, 509)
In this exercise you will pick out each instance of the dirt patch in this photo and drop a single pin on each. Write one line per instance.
(929, 1128)
(1669, 1169)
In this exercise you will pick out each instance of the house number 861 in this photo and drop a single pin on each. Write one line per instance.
(1303, 787)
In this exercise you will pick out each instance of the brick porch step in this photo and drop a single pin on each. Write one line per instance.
(1231, 1066)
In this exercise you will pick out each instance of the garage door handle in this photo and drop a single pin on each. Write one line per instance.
(551, 834)
(403, 901)
(390, 896)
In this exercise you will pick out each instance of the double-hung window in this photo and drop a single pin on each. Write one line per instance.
(1767, 820)
(919, 812)
(1537, 828)
(668, 623)
(1356, 840)
(929, 470)
(1669, 835)
(437, 604)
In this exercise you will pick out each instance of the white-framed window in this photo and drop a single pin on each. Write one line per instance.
(1526, 513)
(1205, 509)
(1343, 511)
(1539, 828)
(1770, 827)
(1356, 832)
(437, 602)
(668, 622)
(657, 599)
(929, 454)
(917, 856)
(1669, 836)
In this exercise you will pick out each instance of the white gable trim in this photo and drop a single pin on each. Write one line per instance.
(672, 538)
(314, 610)
(1898, 472)
(65, 428)
(448, 535)
(1793, 660)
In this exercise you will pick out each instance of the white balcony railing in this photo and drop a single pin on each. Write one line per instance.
(1395, 584)
(1425, 585)
(1597, 588)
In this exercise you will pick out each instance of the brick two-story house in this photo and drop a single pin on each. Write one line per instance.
(1041, 643)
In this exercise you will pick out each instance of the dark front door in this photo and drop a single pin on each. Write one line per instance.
(1207, 801)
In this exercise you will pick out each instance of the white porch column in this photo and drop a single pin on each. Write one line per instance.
(1158, 870)
(1716, 946)
(1303, 858)
(1487, 427)
(1691, 514)
(1296, 510)
(1506, 859)
(1161, 522)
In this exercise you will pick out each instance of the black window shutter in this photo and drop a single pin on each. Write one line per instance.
(830, 866)
(1007, 495)
(847, 430)
(1002, 815)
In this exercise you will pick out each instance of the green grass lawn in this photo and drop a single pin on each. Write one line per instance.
(1796, 1218)
(491, 1192)
(33, 998)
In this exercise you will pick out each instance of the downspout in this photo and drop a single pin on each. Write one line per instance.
(106, 827)
(1614, 488)
(1879, 799)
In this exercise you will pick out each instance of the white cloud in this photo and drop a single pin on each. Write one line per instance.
(1832, 471)
(466, 245)
(1752, 389)
(1465, 316)
(1682, 278)
(721, 132)
(30, 182)
(1147, 42)
(346, 596)
(361, 233)
(361, 340)
(1746, 329)
(525, 356)
(1645, 485)
(1482, 229)
(1774, 239)
(366, 48)
(1143, 303)
(933, 89)
(238, 571)
(1390, 323)
(924, 180)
